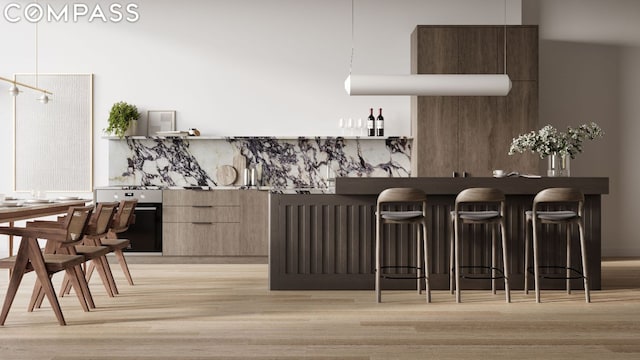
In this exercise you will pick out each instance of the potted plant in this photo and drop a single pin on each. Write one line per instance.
(122, 117)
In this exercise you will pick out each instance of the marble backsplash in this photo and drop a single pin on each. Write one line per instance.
(304, 162)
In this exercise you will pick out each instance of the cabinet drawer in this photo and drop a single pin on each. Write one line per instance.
(200, 197)
(186, 239)
(200, 214)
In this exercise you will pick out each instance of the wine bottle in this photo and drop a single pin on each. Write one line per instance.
(371, 130)
(380, 124)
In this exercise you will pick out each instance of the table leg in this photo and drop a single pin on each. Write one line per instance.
(10, 241)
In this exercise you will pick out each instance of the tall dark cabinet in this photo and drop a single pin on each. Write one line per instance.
(472, 134)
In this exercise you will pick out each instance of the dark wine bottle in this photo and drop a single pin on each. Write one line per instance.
(380, 124)
(371, 128)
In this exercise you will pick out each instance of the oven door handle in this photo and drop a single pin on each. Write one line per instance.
(201, 206)
(155, 208)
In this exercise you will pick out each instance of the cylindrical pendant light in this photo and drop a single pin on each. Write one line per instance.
(429, 84)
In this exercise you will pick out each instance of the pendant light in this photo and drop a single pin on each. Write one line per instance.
(15, 91)
(428, 84)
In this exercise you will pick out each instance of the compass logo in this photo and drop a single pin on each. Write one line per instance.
(34, 12)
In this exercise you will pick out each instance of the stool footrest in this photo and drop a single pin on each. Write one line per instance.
(579, 274)
(481, 276)
(401, 276)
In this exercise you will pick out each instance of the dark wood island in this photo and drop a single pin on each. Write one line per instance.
(325, 240)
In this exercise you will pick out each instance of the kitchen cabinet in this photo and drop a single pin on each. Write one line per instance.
(215, 223)
(472, 134)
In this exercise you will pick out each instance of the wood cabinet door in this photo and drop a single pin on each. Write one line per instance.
(435, 147)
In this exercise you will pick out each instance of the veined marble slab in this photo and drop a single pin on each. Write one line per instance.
(304, 162)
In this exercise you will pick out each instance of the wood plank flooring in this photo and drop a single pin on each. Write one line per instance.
(225, 311)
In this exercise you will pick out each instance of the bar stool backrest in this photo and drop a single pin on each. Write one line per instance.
(480, 195)
(558, 195)
(401, 195)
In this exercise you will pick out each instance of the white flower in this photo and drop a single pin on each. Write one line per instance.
(549, 140)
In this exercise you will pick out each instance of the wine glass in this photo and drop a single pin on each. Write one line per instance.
(341, 125)
(350, 126)
(359, 126)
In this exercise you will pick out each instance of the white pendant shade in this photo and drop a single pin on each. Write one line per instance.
(429, 85)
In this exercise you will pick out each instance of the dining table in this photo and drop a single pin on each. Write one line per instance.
(12, 211)
(29, 254)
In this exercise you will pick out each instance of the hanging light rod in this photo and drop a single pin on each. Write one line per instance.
(429, 85)
(17, 83)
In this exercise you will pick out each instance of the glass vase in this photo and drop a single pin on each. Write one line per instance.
(559, 165)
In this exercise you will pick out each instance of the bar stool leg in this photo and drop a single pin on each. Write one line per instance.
(378, 257)
(536, 271)
(452, 273)
(426, 262)
(585, 274)
(457, 258)
(418, 260)
(505, 262)
(526, 254)
(568, 270)
(493, 259)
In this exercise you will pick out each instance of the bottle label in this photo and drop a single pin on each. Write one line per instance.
(370, 124)
(379, 124)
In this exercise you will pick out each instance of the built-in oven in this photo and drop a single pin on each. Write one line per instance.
(146, 233)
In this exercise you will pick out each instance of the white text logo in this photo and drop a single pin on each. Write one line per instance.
(75, 12)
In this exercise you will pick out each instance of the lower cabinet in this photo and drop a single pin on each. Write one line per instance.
(215, 223)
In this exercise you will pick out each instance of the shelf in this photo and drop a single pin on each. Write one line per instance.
(257, 137)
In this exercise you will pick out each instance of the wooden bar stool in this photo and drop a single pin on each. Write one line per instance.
(571, 201)
(386, 215)
(464, 213)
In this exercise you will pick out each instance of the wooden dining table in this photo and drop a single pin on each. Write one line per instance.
(29, 251)
(29, 211)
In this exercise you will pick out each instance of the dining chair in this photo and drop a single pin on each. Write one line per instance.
(91, 250)
(123, 218)
(31, 257)
(387, 212)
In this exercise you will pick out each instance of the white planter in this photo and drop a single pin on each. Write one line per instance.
(133, 128)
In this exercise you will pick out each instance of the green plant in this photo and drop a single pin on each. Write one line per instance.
(120, 118)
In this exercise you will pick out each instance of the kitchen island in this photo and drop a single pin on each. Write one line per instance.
(326, 241)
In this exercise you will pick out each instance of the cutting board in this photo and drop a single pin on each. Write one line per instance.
(226, 175)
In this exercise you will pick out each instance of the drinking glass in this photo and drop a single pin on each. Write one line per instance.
(359, 126)
(350, 126)
(341, 126)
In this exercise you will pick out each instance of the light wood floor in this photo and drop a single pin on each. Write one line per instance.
(224, 311)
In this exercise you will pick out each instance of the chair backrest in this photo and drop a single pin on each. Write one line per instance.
(559, 195)
(480, 196)
(76, 222)
(397, 195)
(124, 216)
(102, 218)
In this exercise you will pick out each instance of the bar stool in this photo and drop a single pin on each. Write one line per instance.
(385, 215)
(492, 199)
(572, 200)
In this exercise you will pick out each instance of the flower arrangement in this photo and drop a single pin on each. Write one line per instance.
(549, 140)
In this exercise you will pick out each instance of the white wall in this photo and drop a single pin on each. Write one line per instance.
(590, 71)
(234, 67)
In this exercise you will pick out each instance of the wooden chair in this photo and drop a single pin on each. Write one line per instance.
(387, 215)
(464, 213)
(31, 258)
(569, 203)
(124, 217)
(92, 251)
